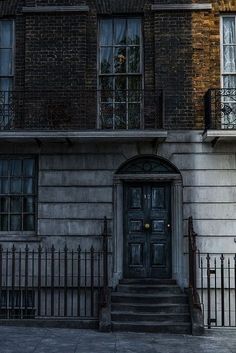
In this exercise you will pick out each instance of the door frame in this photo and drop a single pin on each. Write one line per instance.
(176, 216)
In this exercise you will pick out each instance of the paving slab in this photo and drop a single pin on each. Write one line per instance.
(43, 340)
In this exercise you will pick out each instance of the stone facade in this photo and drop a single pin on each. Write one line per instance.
(58, 50)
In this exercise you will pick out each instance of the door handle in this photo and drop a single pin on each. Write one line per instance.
(147, 226)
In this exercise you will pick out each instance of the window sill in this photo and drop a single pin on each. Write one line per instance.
(16, 237)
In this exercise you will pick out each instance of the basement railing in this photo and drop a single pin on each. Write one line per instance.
(82, 110)
(49, 283)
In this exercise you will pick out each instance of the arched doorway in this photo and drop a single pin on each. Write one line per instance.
(147, 219)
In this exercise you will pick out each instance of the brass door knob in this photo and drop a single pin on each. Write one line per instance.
(147, 226)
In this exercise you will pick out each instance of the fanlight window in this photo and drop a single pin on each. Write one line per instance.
(147, 165)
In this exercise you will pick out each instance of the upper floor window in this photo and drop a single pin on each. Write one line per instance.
(6, 54)
(17, 194)
(6, 71)
(120, 72)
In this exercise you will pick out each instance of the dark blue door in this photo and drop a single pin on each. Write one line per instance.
(147, 244)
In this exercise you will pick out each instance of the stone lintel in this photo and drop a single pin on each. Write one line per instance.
(182, 7)
(53, 9)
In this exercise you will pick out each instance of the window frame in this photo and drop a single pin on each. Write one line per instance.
(113, 74)
(34, 195)
(12, 76)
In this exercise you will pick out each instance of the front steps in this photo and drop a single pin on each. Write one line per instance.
(149, 305)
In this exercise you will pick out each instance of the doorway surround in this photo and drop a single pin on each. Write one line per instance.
(175, 180)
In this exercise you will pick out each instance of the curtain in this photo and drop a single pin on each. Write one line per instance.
(229, 52)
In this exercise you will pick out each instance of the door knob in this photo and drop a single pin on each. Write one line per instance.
(147, 226)
(168, 225)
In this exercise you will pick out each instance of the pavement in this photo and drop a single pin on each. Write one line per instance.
(43, 340)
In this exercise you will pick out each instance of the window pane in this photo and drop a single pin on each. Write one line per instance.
(5, 86)
(28, 186)
(15, 186)
(120, 89)
(134, 60)
(28, 167)
(106, 116)
(120, 31)
(3, 167)
(5, 62)
(16, 205)
(3, 222)
(16, 167)
(28, 205)
(134, 83)
(3, 204)
(106, 32)
(229, 52)
(120, 116)
(15, 222)
(134, 116)
(229, 30)
(106, 85)
(120, 60)
(4, 186)
(229, 81)
(106, 60)
(6, 34)
(134, 27)
(28, 222)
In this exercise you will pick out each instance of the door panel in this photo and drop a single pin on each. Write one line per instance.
(147, 245)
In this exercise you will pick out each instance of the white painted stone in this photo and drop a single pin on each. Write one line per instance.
(75, 194)
(70, 227)
(210, 211)
(209, 178)
(213, 227)
(209, 194)
(74, 178)
(76, 211)
(204, 161)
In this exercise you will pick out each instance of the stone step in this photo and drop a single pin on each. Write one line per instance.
(118, 297)
(143, 316)
(147, 281)
(153, 308)
(149, 288)
(152, 326)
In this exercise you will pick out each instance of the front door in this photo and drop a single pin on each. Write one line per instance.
(147, 230)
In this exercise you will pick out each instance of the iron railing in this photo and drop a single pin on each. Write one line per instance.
(212, 279)
(217, 288)
(220, 109)
(81, 110)
(54, 283)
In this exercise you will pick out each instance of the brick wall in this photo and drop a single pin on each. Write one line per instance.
(181, 50)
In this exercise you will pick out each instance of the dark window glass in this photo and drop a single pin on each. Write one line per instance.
(17, 194)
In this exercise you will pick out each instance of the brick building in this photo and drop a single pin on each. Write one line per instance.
(123, 109)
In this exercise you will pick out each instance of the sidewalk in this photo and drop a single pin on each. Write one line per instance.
(40, 340)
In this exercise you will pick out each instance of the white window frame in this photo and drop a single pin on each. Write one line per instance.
(99, 74)
(222, 73)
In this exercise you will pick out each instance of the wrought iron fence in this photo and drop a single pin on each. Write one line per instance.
(41, 283)
(212, 276)
(220, 108)
(81, 110)
(217, 288)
